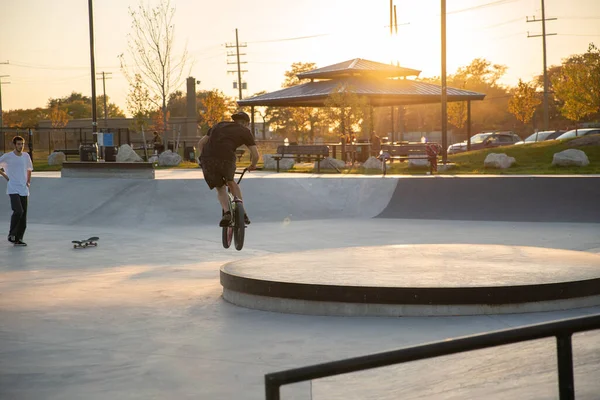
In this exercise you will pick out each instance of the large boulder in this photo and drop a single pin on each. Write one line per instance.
(417, 163)
(570, 157)
(284, 164)
(127, 154)
(56, 158)
(372, 163)
(169, 159)
(498, 160)
(330, 163)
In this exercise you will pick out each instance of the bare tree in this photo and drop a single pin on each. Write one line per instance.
(151, 53)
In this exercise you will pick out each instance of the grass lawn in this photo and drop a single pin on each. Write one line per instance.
(531, 159)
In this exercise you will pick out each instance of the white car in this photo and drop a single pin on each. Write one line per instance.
(541, 136)
(485, 140)
(579, 132)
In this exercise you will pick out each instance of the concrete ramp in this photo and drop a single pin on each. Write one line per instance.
(497, 198)
(132, 203)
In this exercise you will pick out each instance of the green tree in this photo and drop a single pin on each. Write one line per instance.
(347, 111)
(27, 118)
(151, 53)
(491, 113)
(214, 106)
(578, 85)
(298, 122)
(177, 104)
(78, 106)
(524, 102)
(265, 114)
(138, 103)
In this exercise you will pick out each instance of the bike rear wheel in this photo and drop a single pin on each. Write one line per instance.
(239, 226)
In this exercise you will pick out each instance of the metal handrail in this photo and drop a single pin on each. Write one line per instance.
(562, 330)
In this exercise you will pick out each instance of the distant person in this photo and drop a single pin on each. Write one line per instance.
(157, 143)
(16, 169)
(217, 158)
(375, 144)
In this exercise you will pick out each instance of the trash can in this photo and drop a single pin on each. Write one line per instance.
(88, 152)
(190, 153)
(110, 154)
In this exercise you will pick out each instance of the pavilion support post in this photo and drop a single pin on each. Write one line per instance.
(469, 125)
(252, 120)
(392, 114)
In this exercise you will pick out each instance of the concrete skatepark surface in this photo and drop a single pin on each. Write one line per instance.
(141, 316)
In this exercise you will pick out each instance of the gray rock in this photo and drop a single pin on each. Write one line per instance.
(498, 160)
(56, 158)
(372, 163)
(417, 163)
(127, 154)
(153, 159)
(331, 163)
(284, 163)
(570, 157)
(169, 159)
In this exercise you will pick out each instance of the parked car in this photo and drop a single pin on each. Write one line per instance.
(541, 136)
(485, 140)
(579, 132)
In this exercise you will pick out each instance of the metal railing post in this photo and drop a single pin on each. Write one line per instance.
(271, 389)
(564, 352)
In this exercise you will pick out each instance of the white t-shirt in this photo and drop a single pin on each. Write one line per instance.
(16, 167)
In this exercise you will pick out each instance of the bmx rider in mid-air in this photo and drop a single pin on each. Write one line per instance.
(217, 157)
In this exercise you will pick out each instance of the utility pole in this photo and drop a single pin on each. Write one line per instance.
(444, 89)
(543, 35)
(104, 78)
(239, 70)
(2, 83)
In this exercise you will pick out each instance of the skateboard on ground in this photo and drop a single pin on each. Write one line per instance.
(79, 244)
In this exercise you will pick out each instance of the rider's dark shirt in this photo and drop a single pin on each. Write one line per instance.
(224, 138)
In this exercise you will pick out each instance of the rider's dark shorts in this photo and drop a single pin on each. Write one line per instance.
(217, 172)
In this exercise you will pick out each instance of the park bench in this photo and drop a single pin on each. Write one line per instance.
(302, 152)
(409, 151)
(68, 152)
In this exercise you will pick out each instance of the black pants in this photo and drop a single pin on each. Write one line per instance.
(18, 221)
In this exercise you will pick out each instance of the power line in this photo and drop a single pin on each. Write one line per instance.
(292, 38)
(492, 4)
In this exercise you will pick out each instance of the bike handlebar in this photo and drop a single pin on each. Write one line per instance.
(241, 174)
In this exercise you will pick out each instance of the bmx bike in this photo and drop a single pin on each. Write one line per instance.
(236, 228)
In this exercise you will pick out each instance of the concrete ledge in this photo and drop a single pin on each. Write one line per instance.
(82, 169)
(404, 280)
(330, 308)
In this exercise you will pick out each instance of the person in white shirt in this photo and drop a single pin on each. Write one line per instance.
(16, 168)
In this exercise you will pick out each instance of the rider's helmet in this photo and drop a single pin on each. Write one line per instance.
(240, 116)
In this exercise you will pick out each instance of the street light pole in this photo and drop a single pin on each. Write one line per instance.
(444, 89)
(93, 73)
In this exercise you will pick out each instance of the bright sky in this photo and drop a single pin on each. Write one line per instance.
(47, 42)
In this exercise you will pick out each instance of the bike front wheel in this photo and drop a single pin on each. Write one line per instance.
(239, 226)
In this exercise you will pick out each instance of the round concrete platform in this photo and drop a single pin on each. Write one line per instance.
(411, 280)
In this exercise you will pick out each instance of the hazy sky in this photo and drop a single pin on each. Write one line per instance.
(47, 42)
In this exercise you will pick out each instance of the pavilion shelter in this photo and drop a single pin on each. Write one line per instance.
(383, 85)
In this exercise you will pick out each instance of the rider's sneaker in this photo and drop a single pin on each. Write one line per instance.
(246, 219)
(226, 220)
(19, 243)
(11, 238)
